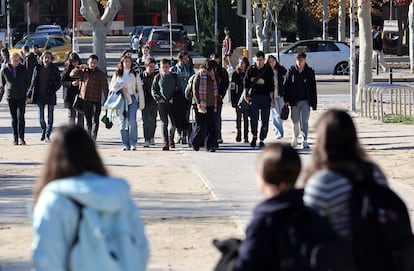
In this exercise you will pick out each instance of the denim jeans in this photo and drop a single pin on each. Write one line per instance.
(260, 103)
(129, 135)
(17, 110)
(149, 120)
(275, 112)
(50, 111)
(300, 115)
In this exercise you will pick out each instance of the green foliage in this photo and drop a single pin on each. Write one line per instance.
(399, 119)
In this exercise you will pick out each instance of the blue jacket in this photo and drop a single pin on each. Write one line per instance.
(55, 217)
(259, 250)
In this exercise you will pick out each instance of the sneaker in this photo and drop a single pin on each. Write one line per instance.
(212, 150)
(47, 138)
(172, 145)
(305, 145)
(294, 142)
(166, 148)
(253, 143)
(133, 148)
(220, 141)
(147, 144)
(152, 141)
(15, 142)
(22, 142)
(279, 137)
(261, 144)
(43, 136)
(125, 148)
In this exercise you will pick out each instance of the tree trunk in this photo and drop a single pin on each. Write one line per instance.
(411, 35)
(341, 20)
(365, 45)
(100, 25)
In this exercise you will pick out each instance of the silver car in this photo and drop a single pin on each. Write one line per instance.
(324, 56)
(159, 41)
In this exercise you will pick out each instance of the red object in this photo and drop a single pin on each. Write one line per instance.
(151, 42)
(180, 42)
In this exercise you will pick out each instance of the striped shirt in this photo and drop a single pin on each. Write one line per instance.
(329, 193)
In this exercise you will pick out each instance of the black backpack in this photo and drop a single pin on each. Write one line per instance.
(306, 242)
(381, 230)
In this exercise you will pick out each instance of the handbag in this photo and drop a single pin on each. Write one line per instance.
(114, 100)
(108, 123)
(284, 113)
(242, 105)
(78, 103)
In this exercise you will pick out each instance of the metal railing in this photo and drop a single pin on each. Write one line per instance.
(379, 98)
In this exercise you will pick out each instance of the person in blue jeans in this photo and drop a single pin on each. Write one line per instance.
(259, 91)
(279, 73)
(300, 94)
(134, 98)
(42, 91)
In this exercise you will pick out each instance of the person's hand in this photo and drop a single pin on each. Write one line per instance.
(27, 99)
(272, 103)
(287, 103)
(161, 101)
(75, 83)
(82, 67)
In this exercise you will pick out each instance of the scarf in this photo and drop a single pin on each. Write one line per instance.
(202, 92)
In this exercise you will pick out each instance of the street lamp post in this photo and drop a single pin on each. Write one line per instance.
(75, 47)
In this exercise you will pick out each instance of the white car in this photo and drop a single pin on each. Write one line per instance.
(324, 56)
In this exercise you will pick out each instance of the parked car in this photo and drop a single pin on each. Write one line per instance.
(159, 41)
(324, 56)
(143, 37)
(180, 26)
(21, 30)
(134, 38)
(49, 30)
(57, 44)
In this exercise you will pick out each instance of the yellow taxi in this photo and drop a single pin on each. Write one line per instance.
(58, 45)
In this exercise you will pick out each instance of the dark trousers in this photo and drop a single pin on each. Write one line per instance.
(218, 121)
(165, 111)
(260, 103)
(204, 132)
(245, 117)
(17, 110)
(149, 120)
(92, 111)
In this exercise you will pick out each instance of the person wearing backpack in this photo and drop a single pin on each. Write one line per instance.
(285, 235)
(352, 192)
(84, 219)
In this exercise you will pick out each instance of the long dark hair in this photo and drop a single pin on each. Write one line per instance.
(337, 145)
(71, 153)
(245, 60)
(277, 62)
(68, 64)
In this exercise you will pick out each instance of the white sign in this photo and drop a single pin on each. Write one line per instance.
(390, 26)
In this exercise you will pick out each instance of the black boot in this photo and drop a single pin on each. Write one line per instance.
(42, 138)
(238, 137)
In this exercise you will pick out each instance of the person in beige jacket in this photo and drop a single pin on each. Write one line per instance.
(134, 98)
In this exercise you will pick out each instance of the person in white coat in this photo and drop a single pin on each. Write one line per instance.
(73, 175)
(134, 98)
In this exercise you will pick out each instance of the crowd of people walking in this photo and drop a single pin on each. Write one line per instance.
(190, 110)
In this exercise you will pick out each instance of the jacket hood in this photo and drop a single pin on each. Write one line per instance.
(101, 193)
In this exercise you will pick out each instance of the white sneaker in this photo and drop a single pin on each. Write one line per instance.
(133, 148)
(147, 144)
(305, 145)
(294, 142)
(124, 148)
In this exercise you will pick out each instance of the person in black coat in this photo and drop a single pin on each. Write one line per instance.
(13, 82)
(71, 89)
(300, 94)
(236, 90)
(45, 83)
